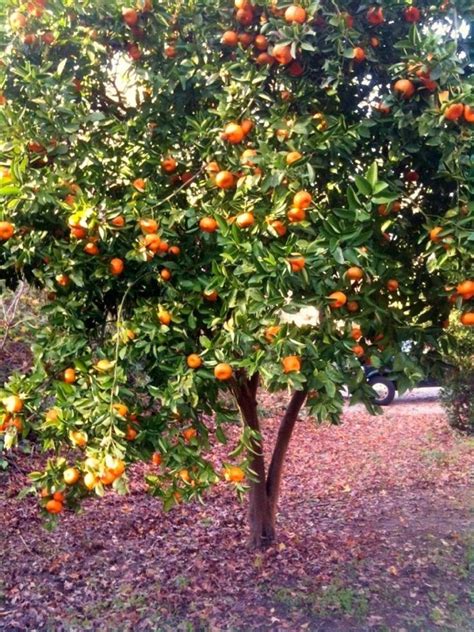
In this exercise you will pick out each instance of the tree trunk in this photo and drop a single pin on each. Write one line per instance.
(263, 494)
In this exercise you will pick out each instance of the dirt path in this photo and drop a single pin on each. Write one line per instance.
(375, 534)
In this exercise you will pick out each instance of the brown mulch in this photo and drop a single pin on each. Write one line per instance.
(375, 533)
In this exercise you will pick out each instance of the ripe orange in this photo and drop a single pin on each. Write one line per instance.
(131, 433)
(230, 38)
(295, 14)
(245, 220)
(121, 409)
(233, 133)
(245, 39)
(169, 165)
(467, 319)
(78, 438)
(282, 54)
(107, 478)
(297, 263)
(130, 16)
(302, 199)
(356, 333)
(405, 88)
(7, 231)
(291, 363)
(194, 361)
(208, 225)
(13, 404)
(148, 225)
(139, 184)
(392, 285)
(118, 222)
(116, 266)
(152, 242)
(175, 250)
(70, 376)
(358, 350)
(359, 54)
(78, 232)
(164, 317)
(223, 372)
(338, 299)
(54, 506)
(469, 114)
(434, 232)
(355, 274)
(296, 214)
(264, 59)
(189, 433)
(170, 52)
(293, 156)
(17, 423)
(279, 227)
(245, 16)
(165, 274)
(454, 112)
(244, 158)
(210, 295)
(272, 332)
(17, 21)
(116, 466)
(374, 42)
(234, 474)
(59, 496)
(352, 306)
(261, 43)
(90, 480)
(91, 248)
(156, 458)
(466, 289)
(225, 180)
(134, 51)
(71, 475)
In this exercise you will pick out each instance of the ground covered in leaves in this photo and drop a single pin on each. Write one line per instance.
(375, 533)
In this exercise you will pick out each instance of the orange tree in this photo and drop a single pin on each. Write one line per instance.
(181, 178)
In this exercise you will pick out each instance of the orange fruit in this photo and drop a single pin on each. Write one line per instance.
(165, 274)
(296, 214)
(245, 220)
(107, 478)
(233, 133)
(261, 42)
(148, 225)
(152, 241)
(293, 156)
(170, 52)
(139, 184)
(59, 496)
(17, 21)
(184, 475)
(78, 438)
(121, 409)
(210, 295)
(189, 433)
(291, 364)
(359, 54)
(356, 333)
(412, 14)
(434, 232)
(358, 350)
(454, 112)
(272, 332)
(78, 232)
(194, 361)
(467, 319)
(230, 38)
(234, 474)
(282, 54)
(118, 221)
(116, 466)
(169, 165)
(404, 88)
(302, 199)
(164, 317)
(352, 306)
(71, 475)
(297, 263)
(279, 227)
(175, 250)
(17, 423)
(245, 16)
(264, 59)
(90, 480)
(130, 16)
(91, 249)
(131, 433)
(375, 16)
(392, 285)
(7, 231)
(70, 376)
(225, 180)
(134, 51)
(245, 39)
(52, 415)
(223, 372)
(374, 42)
(244, 158)
(355, 274)
(156, 458)
(469, 114)
(54, 506)
(208, 225)
(338, 299)
(116, 266)
(295, 15)
(13, 404)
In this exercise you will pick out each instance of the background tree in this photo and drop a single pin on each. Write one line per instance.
(254, 159)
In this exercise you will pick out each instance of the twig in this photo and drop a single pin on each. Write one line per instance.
(10, 313)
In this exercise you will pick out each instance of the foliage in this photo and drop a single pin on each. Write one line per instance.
(107, 120)
(458, 382)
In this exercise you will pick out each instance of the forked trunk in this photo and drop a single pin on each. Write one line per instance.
(264, 492)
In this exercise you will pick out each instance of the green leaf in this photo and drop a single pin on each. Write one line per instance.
(363, 185)
(372, 174)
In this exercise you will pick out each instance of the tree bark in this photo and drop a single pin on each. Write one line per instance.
(263, 494)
